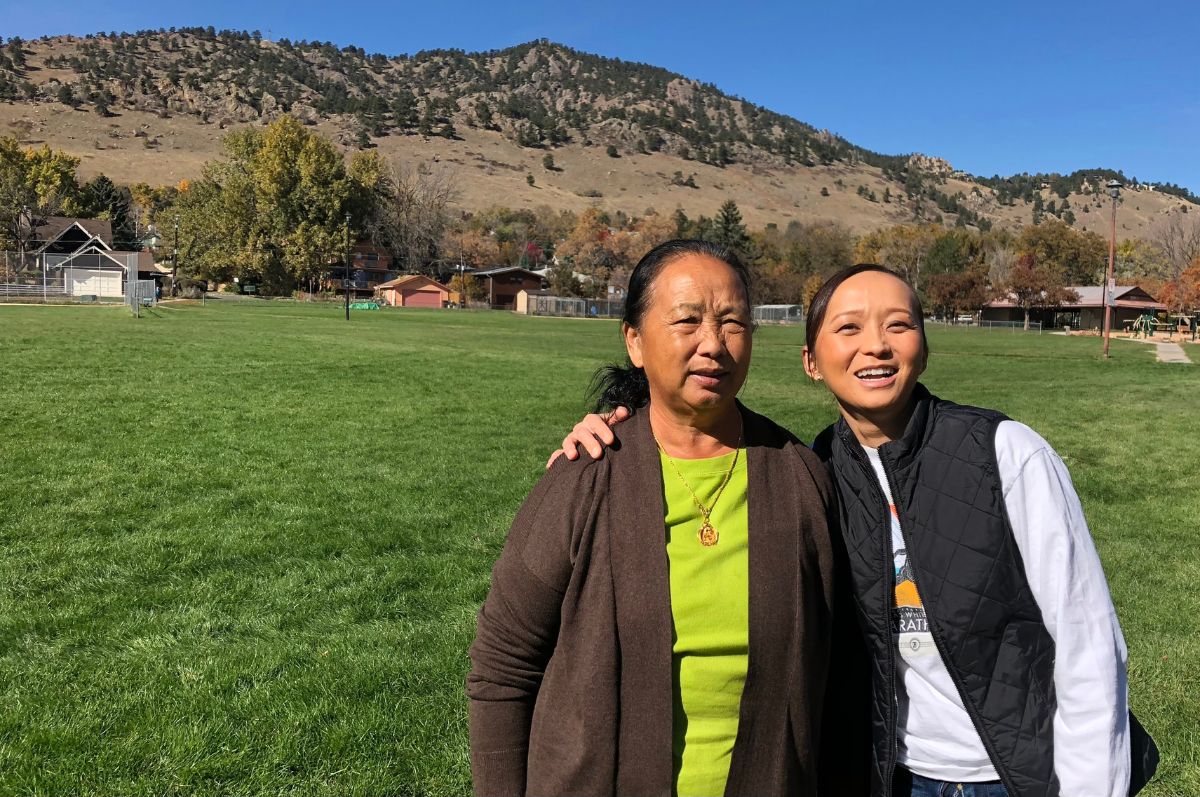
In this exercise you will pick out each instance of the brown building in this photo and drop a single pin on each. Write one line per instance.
(1085, 313)
(414, 290)
(501, 285)
(370, 266)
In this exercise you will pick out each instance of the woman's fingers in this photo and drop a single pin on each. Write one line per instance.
(616, 416)
(594, 432)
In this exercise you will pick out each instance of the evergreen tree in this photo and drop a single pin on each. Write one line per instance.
(102, 199)
(683, 225)
(728, 229)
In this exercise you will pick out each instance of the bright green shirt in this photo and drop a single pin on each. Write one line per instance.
(710, 608)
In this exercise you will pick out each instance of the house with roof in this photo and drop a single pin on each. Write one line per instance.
(370, 267)
(413, 290)
(503, 283)
(1087, 312)
(78, 258)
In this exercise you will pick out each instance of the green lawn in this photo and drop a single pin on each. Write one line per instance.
(243, 544)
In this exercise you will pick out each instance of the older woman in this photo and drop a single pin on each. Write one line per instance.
(661, 621)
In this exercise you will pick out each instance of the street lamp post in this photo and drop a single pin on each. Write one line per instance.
(347, 265)
(1109, 293)
(24, 214)
(175, 256)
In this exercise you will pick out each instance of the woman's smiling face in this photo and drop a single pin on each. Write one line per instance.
(869, 348)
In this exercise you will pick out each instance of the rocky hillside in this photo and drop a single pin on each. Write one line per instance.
(538, 123)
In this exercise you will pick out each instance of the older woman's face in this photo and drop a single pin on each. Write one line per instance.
(695, 337)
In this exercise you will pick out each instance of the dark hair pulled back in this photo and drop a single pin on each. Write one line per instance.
(820, 301)
(626, 385)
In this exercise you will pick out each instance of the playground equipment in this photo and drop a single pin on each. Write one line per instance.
(1144, 325)
(1147, 324)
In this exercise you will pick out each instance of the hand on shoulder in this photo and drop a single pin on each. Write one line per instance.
(594, 433)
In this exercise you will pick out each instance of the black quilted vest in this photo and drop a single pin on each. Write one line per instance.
(971, 579)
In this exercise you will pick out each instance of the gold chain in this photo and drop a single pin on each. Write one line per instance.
(707, 535)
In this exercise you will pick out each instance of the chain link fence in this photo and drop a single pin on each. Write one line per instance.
(571, 307)
(85, 278)
(1012, 326)
(778, 314)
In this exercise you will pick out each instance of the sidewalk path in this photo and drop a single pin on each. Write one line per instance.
(1165, 351)
(1172, 353)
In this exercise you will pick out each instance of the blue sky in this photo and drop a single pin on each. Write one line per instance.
(993, 87)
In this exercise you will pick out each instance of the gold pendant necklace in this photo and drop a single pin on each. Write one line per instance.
(707, 533)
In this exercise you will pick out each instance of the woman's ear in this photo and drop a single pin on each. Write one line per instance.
(633, 345)
(810, 365)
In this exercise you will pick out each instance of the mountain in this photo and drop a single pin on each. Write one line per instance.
(152, 106)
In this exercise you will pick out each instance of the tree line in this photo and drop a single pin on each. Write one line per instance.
(278, 208)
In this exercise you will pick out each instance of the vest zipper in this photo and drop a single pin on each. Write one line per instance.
(976, 720)
(888, 577)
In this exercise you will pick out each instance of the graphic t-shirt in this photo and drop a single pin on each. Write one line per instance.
(935, 734)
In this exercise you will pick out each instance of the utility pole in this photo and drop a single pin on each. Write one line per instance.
(1114, 191)
(347, 263)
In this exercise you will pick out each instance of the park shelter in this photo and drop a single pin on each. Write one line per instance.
(504, 283)
(1087, 312)
(414, 290)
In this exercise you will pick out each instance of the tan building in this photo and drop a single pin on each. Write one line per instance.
(414, 290)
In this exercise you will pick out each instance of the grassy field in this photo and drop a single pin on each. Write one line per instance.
(243, 545)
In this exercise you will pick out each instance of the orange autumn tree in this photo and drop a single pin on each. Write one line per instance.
(1183, 294)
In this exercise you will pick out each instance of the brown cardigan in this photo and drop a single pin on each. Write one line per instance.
(571, 680)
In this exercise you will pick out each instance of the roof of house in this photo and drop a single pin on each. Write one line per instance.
(1093, 296)
(491, 272)
(412, 281)
(55, 226)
